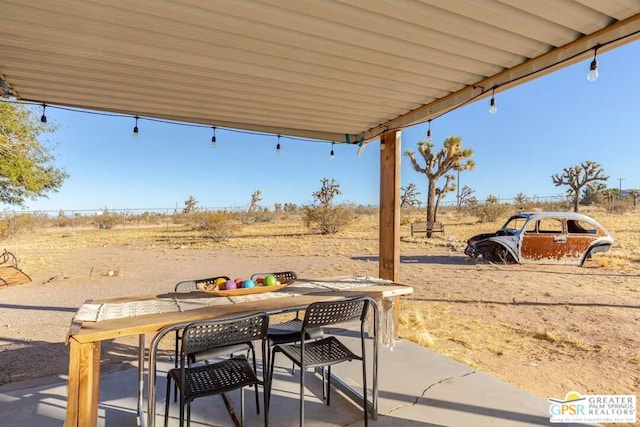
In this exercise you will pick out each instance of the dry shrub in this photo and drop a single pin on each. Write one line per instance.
(255, 216)
(217, 225)
(612, 259)
(327, 219)
(491, 212)
(107, 220)
(413, 325)
(434, 325)
(13, 224)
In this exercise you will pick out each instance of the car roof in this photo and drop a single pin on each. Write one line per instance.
(554, 214)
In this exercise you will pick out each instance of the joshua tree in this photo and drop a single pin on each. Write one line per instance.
(491, 200)
(450, 157)
(465, 196)
(255, 198)
(324, 216)
(634, 194)
(587, 173)
(409, 196)
(592, 193)
(190, 205)
(328, 191)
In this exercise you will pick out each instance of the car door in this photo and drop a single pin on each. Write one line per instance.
(580, 235)
(544, 240)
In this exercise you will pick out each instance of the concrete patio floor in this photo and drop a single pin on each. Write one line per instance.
(418, 388)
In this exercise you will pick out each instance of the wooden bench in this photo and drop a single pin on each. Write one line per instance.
(427, 226)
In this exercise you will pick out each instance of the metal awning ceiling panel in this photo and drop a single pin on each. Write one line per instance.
(317, 69)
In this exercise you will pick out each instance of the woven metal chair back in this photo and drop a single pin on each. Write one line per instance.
(330, 313)
(191, 285)
(200, 336)
(285, 277)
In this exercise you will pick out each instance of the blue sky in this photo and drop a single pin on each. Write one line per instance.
(553, 122)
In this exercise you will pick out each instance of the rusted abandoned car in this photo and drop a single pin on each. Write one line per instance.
(542, 238)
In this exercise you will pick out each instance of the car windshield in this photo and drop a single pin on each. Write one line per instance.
(515, 223)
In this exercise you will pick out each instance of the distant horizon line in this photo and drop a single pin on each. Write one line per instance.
(245, 206)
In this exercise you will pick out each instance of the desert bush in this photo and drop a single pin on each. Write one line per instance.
(62, 220)
(491, 212)
(327, 219)
(107, 220)
(361, 210)
(14, 224)
(219, 225)
(255, 216)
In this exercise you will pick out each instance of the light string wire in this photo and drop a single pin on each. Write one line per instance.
(357, 141)
(597, 46)
(157, 120)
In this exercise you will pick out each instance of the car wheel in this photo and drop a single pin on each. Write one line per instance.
(498, 255)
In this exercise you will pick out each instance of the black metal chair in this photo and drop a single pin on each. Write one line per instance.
(288, 331)
(192, 285)
(327, 351)
(222, 376)
(285, 277)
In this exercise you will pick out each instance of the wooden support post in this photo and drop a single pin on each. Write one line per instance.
(389, 247)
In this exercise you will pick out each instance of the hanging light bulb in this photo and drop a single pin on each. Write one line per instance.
(43, 118)
(278, 147)
(213, 138)
(135, 129)
(332, 156)
(493, 108)
(593, 68)
(429, 132)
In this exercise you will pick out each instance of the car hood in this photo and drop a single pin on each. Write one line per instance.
(500, 233)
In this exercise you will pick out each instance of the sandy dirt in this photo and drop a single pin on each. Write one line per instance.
(546, 329)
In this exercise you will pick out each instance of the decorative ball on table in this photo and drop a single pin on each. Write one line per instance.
(248, 284)
(230, 284)
(270, 280)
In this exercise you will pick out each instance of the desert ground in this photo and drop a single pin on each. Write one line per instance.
(546, 329)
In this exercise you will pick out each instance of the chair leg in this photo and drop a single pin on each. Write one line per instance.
(242, 405)
(265, 401)
(301, 396)
(364, 392)
(175, 365)
(272, 358)
(328, 385)
(255, 386)
(166, 401)
(181, 410)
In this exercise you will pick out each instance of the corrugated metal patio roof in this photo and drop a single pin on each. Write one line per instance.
(313, 69)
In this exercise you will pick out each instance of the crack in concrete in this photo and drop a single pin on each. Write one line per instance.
(415, 402)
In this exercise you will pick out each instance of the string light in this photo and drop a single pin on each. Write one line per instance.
(43, 118)
(593, 68)
(135, 129)
(6, 91)
(213, 138)
(278, 146)
(332, 156)
(429, 132)
(493, 108)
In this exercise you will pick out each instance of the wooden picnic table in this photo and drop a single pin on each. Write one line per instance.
(85, 337)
